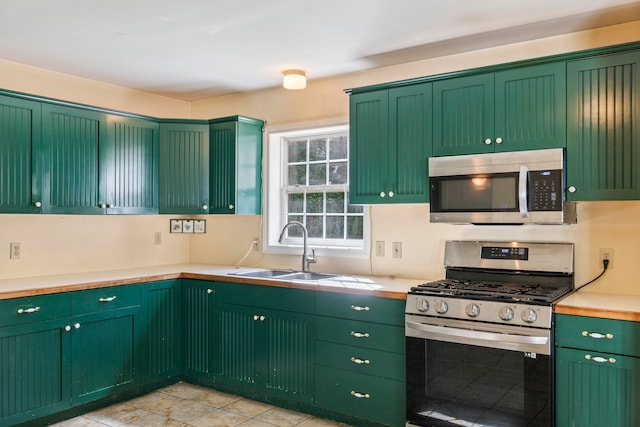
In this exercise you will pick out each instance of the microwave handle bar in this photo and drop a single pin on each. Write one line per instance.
(522, 191)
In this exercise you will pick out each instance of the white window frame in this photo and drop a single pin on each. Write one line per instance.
(274, 206)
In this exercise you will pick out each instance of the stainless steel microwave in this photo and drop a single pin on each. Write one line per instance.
(520, 187)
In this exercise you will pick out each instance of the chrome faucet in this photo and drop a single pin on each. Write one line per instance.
(306, 259)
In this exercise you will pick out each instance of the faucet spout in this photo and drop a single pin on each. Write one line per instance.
(306, 259)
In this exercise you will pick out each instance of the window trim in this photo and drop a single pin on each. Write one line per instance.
(275, 200)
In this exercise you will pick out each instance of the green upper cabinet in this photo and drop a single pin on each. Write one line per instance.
(235, 165)
(390, 143)
(20, 176)
(184, 167)
(130, 166)
(603, 142)
(71, 144)
(517, 109)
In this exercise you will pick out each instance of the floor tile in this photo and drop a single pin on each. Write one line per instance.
(320, 422)
(184, 390)
(117, 415)
(282, 417)
(248, 408)
(155, 420)
(186, 410)
(156, 402)
(216, 398)
(79, 422)
(219, 417)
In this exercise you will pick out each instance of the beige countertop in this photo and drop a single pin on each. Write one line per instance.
(598, 304)
(29, 286)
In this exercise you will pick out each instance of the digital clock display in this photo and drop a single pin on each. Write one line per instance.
(501, 252)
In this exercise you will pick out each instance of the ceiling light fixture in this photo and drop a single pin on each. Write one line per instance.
(294, 80)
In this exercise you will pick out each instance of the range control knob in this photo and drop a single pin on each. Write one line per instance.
(529, 315)
(472, 310)
(441, 307)
(506, 313)
(422, 305)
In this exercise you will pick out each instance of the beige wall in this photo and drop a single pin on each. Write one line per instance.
(57, 244)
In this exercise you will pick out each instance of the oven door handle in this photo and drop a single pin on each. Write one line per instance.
(478, 335)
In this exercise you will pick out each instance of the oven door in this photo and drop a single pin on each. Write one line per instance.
(463, 374)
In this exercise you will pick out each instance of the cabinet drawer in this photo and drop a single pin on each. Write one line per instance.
(362, 396)
(104, 299)
(361, 360)
(606, 335)
(17, 311)
(361, 307)
(361, 334)
(273, 297)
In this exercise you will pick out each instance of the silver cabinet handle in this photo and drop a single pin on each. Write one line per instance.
(76, 325)
(260, 318)
(360, 395)
(359, 308)
(28, 310)
(359, 334)
(599, 359)
(382, 194)
(37, 204)
(103, 206)
(360, 361)
(108, 299)
(498, 140)
(255, 317)
(487, 141)
(391, 194)
(572, 189)
(596, 335)
(110, 205)
(67, 328)
(205, 207)
(231, 206)
(209, 291)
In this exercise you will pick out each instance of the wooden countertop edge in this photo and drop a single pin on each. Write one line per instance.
(198, 276)
(597, 312)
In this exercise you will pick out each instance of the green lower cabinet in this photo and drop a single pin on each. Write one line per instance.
(367, 397)
(161, 331)
(34, 370)
(269, 352)
(596, 389)
(197, 330)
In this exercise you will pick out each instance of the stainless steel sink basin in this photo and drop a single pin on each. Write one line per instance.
(309, 275)
(264, 273)
(285, 275)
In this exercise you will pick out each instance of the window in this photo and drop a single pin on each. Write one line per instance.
(309, 182)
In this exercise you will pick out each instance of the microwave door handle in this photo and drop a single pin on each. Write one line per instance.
(522, 191)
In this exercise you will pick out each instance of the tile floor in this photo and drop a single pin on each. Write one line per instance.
(186, 405)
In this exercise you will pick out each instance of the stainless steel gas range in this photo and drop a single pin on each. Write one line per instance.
(479, 341)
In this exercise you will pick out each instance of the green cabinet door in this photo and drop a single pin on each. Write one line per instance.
(603, 149)
(130, 166)
(596, 389)
(269, 352)
(104, 354)
(20, 174)
(34, 370)
(390, 143)
(235, 165)
(71, 150)
(184, 168)
(197, 330)
(161, 345)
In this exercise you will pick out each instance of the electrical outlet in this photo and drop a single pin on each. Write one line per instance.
(380, 248)
(397, 249)
(256, 244)
(15, 250)
(606, 253)
(157, 238)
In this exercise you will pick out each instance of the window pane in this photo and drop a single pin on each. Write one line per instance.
(338, 173)
(298, 175)
(318, 174)
(318, 149)
(335, 227)
(354, 209)
(295, 230)
(297, 151)
(335, 202)
(314, 226)
(338, 147)
(296, 203)
(354, 227)
(314, 202)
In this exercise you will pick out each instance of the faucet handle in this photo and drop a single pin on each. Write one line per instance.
(311, 259)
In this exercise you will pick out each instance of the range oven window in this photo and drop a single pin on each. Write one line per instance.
(453, 384)
(475, 193)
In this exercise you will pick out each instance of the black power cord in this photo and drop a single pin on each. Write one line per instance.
(605, 264)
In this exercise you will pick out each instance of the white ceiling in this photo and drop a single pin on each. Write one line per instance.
(195, 49)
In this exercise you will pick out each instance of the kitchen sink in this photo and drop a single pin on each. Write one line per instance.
(285, 275)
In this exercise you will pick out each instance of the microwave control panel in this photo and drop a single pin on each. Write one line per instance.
(545, 190)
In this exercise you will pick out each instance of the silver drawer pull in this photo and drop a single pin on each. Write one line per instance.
(359, 334)
(358, 308)
(600, 359)
(108, 299)
(28, 310)
(596, 335)
(360, 395)
(360, 361)
(209, 291)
